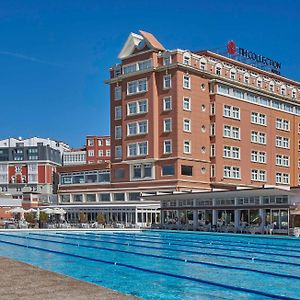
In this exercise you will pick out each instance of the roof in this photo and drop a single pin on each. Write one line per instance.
(134, 40)
(152, 40)
(85, 167)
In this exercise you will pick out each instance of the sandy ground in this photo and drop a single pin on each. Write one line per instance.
(22, 281)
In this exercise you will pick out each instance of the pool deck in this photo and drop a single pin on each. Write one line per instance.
(22, 281)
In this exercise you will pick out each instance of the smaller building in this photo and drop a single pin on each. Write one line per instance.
(245, 210)
(97, 149)
(87, 189)
(74, 157)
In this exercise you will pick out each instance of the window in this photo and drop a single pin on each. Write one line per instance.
(167, 82)
(231, 132)
(137, 149)
(212, 150)
(118, 112)
(294, 94)
(187, 147)
(187, 59)
(231, 172)
(136, 128)
(203, 64)
(212, 109)
(118, 132)
(137, 86)
(167, 103)
(167, 146)
(186, 103)
(247, 78)
(107, 142)
(168, 170)
(282, 160)
(137, 107)
(119, 196)
(90, 142)
(118, 152)
(167, 60)
(283, 178)
(282, 142)
(186, 170)
(283, 90)
(100, 152)
(258, 156)
(258, 118)
(218, 69)
(186, 81)
(232, 74)
(100, 142)
(142, 171)
(118, 93)
(138, 66)
(259, 82)
(258, 175)
(282, 124)
(212, 170)
(91, 153)
(231, 112)
(107, 152)
(258, 137)
(271, 86)
(212, 129)
(231, 152)
(167, 125)
(186, 125)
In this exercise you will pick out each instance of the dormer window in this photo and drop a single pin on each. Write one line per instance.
(167, 60)
(283, 90)
(233, 74)
(247, 78)
(187, 58)
(259, 82)
(203, 64)
(218, 69)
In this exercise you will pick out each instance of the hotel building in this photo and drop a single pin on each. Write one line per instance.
(198, 121)
(28, 166)
(97, 149)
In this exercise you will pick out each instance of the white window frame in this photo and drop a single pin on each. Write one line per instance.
(165, 100)
(189, 125)
(187, 143)
(165, 146)
(167, 81)
(165, 121)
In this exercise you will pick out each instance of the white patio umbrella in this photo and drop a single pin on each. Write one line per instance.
(30, 210)
(59, 211)
(17, 210)
(48, 211)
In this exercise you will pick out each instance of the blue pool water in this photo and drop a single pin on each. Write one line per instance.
(167, 265)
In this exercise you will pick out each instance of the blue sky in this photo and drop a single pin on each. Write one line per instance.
(55, 55)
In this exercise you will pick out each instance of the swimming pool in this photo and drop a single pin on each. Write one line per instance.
(166, 264)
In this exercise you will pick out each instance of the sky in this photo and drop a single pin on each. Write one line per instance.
(55, 55)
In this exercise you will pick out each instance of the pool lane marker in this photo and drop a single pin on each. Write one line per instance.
(112, 236)
(79, 236)
(240, 289)
(165, 257)
(207, 241)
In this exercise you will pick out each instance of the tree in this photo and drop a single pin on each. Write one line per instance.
(29, 217)
(82, 217)
(43, 217)
(101, 218)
